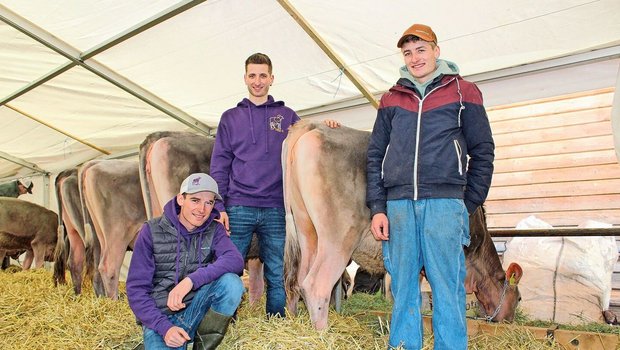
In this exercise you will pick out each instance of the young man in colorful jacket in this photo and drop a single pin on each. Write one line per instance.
(430, 162)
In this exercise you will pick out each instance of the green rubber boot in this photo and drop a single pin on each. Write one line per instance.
(211, 331)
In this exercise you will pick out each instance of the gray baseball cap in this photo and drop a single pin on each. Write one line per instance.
(199, 182)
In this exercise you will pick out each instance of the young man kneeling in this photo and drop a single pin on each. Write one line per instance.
(183, 281)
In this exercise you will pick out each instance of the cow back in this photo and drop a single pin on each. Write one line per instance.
(166, 158)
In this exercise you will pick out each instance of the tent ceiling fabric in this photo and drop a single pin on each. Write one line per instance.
(79, 79)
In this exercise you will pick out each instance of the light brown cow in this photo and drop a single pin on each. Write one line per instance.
(112, 195)
(30, 227)
(166, 158)
(328, 223)
(70, 228)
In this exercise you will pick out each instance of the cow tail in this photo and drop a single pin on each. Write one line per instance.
(145, 149)
(90, 238)
(292, 252)
(61, 251)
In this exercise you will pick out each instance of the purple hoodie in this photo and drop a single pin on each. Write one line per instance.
(246, 157)
(142, 268)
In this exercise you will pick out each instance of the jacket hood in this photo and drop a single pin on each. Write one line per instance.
(443, 68)
(246, 103)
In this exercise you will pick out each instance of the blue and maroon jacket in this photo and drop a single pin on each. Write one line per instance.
(419, 147)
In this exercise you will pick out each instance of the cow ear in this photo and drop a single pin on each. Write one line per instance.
(514, 273)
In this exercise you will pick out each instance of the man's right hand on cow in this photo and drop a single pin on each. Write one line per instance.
(380, 227)
(224, 221)
(176, 337)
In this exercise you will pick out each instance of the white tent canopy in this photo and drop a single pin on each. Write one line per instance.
(83, 79)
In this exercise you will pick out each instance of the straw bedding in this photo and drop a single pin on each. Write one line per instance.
(36, 315)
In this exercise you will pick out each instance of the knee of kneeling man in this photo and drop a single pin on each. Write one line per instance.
(233, 284)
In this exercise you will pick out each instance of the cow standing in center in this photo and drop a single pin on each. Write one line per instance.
(328, 223)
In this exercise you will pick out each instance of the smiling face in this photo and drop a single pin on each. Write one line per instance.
(258, 79)
(195, 208)
(420, 58)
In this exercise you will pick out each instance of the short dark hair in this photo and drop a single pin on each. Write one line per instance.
(414, 38)
(258, 58)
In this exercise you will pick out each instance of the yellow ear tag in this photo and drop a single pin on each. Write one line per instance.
(512, 280)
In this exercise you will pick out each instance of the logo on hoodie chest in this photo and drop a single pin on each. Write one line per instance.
(275, 123)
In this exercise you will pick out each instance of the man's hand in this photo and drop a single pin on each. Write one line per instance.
(176, 295)
(176, 337)
(224, 221)
(332, 123)
(380, 227)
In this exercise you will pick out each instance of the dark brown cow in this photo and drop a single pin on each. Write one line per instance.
(328, 223)
(30, 227)
(113, 198)
(166, 158)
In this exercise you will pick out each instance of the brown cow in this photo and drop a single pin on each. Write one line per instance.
(166, 158)
(30, 227)
(112, 195)
(71, 229)
(328, 223)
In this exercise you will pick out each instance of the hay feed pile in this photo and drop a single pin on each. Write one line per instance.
(36, 315)
(253, 330)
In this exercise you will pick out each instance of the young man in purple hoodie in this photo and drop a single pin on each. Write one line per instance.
(183, 281)
(247, 167)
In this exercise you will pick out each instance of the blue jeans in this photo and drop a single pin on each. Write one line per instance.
(269, 225)
(427, 233)
(222, 295)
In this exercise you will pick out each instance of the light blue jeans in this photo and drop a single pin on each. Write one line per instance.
(427, 233)
(269, 225)
(222, 295)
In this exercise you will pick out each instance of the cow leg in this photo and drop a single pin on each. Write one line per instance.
(93, 258)
(28, 259)
(318, 285)
(76, 258)
(6, 261)
(256, 280)
(110, 266)
(299, 231)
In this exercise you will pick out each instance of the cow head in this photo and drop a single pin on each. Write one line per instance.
(503, 296)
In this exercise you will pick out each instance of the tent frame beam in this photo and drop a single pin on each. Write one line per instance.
(339, 62)
(500, 74)
(62, 48)
(23, 163)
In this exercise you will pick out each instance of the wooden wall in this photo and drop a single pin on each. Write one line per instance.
(555, 159)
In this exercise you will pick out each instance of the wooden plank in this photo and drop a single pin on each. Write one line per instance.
(568, 339)
(610, 201)
(551, 107)
(559, 133)
(554, 98)
(555, 218)
(591, 115)
(589, 172)
(577, 145)
(552, 161)
(563, 189)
